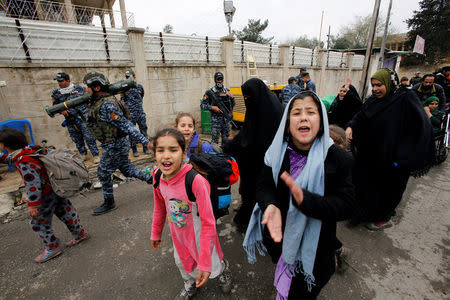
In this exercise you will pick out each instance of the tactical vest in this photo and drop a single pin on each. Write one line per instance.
(101, 130)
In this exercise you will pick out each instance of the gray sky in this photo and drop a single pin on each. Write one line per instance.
(287, 19)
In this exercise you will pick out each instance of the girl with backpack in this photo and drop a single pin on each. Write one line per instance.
(185, 123)
(198, 254)
(42, 200)
(305, 187)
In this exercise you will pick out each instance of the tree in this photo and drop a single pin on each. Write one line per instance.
(304, 41)
(252, 32)
(168, 28)
(431, 22)
(340, 43)
(357, 33)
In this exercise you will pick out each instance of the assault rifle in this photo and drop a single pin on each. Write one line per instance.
(220, 104)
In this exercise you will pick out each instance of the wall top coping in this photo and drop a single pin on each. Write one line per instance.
(284, 46)
(135, 30)
(227, 38)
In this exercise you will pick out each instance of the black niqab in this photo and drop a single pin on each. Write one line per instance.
(262, 115)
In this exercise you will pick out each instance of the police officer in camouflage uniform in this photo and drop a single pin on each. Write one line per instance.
(220, 102)
(133, 98)
(107, 120)
(77, 129)
(290, 90)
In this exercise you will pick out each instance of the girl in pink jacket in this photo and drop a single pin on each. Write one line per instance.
(197, 254)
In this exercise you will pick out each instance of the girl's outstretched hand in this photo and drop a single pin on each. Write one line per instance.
(156, 244)
(202, 278)
(296, 191)
(272, 218)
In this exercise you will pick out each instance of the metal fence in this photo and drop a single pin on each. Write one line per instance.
(34, 42)
(54, 11)
(263, 54)
(169, 48)
(336, 59)
(302, 57)
(358, 62)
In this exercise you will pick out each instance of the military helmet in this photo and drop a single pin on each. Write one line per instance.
(95, 77)
(217, 76)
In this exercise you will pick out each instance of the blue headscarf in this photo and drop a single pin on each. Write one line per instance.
(301, 233)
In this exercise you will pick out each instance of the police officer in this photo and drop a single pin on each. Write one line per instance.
(74, 117)
(108, 122)
(133, 99)
(220, 102)
(290, 90)
(303, 71)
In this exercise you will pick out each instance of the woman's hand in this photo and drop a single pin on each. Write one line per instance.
(349, 134)
(156, 244)
(202, 278)
(272, 218)
(33, 212)
(296, 190)
(427, 111)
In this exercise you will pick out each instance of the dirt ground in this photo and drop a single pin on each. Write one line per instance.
(408, 261)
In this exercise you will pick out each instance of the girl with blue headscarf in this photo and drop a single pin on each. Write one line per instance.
(304, 189)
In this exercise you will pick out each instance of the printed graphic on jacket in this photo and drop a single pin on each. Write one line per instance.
(178, 211)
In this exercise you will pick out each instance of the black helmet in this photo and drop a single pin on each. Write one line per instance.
(94, 77)
(217, 76)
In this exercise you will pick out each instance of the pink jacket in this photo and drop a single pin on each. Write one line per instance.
(172, 201)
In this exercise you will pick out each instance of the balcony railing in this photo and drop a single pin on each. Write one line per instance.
(60, 12)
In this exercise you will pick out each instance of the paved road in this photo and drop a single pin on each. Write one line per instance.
(409, 260)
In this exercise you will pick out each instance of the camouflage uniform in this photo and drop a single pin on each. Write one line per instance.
(116, 145)
(288, 92)
(134, 100)
(220, 123)
(74, 121)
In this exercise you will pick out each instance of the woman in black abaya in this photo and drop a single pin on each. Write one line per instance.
(346, 104)
(392, 139)
(262, 118)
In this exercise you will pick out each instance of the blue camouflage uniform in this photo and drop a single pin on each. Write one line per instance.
(300, 82)
(78, 131)
(220, 123)
(133, 98)
(289, 91)
(116, 149)
(310, 85)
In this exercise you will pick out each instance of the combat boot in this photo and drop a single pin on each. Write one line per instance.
(106, 207)
(145, 150)
(135, 152)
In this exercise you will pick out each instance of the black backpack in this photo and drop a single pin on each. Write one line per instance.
(216, 169)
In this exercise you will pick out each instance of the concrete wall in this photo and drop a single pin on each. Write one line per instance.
(169, 87)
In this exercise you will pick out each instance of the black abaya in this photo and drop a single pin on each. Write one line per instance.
(342, 111)
(262, 118)
(392, 138)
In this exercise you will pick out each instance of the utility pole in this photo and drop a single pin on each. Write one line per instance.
(369, 48)
(383, 43)
(320, 32)
(328, 37)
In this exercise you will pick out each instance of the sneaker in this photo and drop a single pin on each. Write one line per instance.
(96, 159)
(342, 258)
(225, 278)
(379, 225)
(47, 255)
(146, 151)
(73, 242)
(186, 294)
(135, 154)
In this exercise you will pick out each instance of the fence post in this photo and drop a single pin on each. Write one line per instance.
(322, 64)
(349, 62)
(283, 60)
(207, 50)
(161, 44)
(227, 58)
